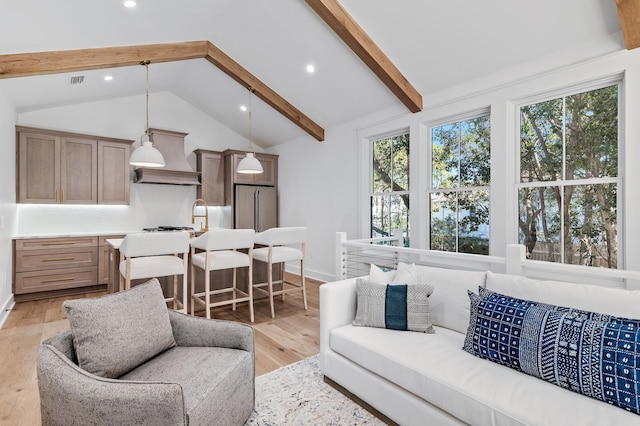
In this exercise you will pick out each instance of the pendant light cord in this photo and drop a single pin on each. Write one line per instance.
(146, 65)
(250, 127)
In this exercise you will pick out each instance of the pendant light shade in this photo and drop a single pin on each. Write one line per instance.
(250, 164)
(146, 155)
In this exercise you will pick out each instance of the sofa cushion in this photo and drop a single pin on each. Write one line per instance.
(211, 380)
(433, 367)
(393, 306)
(404, 274)
(449, 303)
(618, 302)
(562, 346)
(115, 333)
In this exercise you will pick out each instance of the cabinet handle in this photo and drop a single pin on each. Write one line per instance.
(59, 243)
(127, 198)
(62, 192)
(58, 259)
(57, 280)
(56, 195)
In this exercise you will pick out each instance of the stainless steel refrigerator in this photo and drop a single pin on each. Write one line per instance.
(256, 207)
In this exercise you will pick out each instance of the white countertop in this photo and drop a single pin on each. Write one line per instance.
(73, 234)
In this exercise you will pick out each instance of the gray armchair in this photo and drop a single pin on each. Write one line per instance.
(206, 379)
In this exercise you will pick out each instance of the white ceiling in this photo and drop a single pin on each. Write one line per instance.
(436, 45)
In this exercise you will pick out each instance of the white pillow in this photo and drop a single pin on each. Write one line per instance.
(405, 274)
(594, 298)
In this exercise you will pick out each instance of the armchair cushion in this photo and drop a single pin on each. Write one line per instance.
(116, 333)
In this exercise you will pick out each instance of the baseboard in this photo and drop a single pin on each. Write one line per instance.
(7, 306)
(320, 276)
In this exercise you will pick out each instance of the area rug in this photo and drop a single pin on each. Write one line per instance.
(297, 395)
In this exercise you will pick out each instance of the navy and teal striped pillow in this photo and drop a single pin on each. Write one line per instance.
(393, 306)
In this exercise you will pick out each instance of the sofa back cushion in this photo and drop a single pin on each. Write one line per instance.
(612, 301)
(449, 302)
(114, 334)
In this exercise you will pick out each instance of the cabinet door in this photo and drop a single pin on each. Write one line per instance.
(113, 172)
(38, 168)
(78, 171)
(211, 168)
(268, 178)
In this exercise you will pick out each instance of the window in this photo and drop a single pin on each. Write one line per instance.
(567, 195)
(459, 194)
(390, 186)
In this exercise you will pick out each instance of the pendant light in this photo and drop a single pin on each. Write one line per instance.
(250, 164)
(146, 155)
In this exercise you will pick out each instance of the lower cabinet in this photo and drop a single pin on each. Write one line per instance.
(50, 267)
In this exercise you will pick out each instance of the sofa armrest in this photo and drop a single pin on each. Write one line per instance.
(196, 331)
(337, 308)
(70, 395)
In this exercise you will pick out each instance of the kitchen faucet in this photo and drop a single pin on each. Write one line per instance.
(200, 202)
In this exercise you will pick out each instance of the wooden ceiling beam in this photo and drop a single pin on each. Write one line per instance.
(61, 61)
(55, 62)
(234, 70)
(341, 22)
(629, 12)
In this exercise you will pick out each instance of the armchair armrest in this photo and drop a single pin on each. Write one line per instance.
(196, 331)
(70, 395)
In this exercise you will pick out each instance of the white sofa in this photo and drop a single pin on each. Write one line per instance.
(418, 378)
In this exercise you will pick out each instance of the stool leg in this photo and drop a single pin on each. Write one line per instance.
(233, 290)
(304, 287)
(175, 292)
(251, 291)
(270, 284)
(282, 278)
(207, 292)
(193, 288)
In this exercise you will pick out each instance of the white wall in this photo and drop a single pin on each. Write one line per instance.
(7, 200)
(151, 205)
(325, 185)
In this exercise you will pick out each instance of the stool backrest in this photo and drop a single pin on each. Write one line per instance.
(154, 243)
(225, 239)
(282, 236)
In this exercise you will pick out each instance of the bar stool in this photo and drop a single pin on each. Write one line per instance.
(220, 251)
(156, 254)
(281, 245)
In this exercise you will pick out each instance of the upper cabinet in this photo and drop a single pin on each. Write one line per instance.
(210, 164)
(269, 163)
(63, 168)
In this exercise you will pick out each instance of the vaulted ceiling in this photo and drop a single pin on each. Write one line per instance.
(434, 45)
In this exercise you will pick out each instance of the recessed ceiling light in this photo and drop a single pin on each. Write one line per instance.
(311, 68)
(108, 77)
(243, 108)
(129, 3)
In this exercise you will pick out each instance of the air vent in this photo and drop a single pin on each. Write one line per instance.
(76, 79)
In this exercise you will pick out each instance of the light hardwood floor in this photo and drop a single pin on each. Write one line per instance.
(292, 336)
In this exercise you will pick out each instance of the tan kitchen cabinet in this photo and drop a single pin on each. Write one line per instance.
(269, 163)
(64, 168)
(210, 164)
(45, 267)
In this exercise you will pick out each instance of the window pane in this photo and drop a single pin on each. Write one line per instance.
(473, 217)
(541, 131)
(443, 221)
(379, 216)
(475, 152)
(591, 220)
(388, 214)
(382, 165)
(539, 223)
(400, 169)
(592, 134)
(445, 155)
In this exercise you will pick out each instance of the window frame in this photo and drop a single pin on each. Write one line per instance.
(619, 180)
(429, 189)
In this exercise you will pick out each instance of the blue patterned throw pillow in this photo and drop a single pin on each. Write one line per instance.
(393, 306)
(566, 347)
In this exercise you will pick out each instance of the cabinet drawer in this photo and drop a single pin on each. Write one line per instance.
(36, 281)
(38, 260)
(56, 243)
